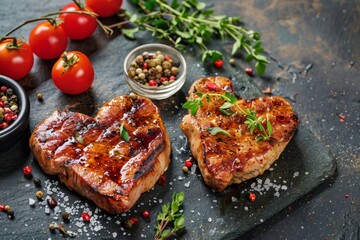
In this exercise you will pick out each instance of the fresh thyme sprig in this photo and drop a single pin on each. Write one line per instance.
(170, 214)
(192, 22)
(252, 121)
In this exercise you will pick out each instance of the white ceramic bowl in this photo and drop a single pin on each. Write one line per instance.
(157, 92)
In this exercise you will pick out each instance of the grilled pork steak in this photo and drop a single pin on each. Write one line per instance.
(224, 160)
(90, 156)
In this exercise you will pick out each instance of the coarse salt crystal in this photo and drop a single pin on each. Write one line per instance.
(234, 199)
(31, 202)
(187, 184)
(209, 219)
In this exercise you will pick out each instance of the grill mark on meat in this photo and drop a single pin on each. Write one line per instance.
(149, 162)
(106, 169)
(223, 160)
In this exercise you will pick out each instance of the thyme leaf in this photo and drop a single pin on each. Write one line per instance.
(123, 133)
(79, 138)
(218, 130)
(170, 214)
(253, 122)
(191, 22)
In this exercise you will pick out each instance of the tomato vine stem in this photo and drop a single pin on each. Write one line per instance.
(107, 30)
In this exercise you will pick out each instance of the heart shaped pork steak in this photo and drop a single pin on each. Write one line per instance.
(91, 157)
(233, 153)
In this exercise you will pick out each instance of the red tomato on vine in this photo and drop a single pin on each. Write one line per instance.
(73, 73)
(48, 40)
(78, 26)
(16, 58)
(104, 8)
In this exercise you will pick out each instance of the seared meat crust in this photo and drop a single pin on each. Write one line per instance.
(227, 160)
(90, 157)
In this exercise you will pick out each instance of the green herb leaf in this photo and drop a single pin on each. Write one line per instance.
(166, 233)
(123, 133)
(226, 105)
(170, 214)
(227, 112)
(79, 138)
(218, 130)
(130, 32)
(269, 128)
(180, 222)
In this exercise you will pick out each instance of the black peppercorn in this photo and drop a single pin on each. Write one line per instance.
(10, 214)
(37, 182)
(65, 216)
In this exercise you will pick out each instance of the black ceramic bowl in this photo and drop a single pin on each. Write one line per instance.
(12, 134)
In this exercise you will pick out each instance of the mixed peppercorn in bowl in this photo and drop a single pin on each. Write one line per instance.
(14, 112)
(156, 71)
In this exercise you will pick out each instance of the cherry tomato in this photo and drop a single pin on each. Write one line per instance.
(73, 73)
(48, 40)
(16, 60)
(104, 8)
(78, 26)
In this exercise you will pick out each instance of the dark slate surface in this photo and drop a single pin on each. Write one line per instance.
(314, 57)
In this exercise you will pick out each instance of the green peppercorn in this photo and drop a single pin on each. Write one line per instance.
(7, 208)
(166, 65)
(133, 96)
(159, 69)
(14, 107)
(138, 71)
(51, 226)
(161, 57)
(174, 71)
(40, 96)
(232, 61)
(139, 60)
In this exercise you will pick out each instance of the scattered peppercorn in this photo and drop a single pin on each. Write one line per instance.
(27, 170)
(39, 195)
(51, 226)
(212, 86)
(7, 208)
(252, 197)
(40, 97)
(185, 169)
(85, 217)
(52, 202)
(131, 222)
(162, 180)
(232, 61)
(249, 71)
(2, 208)
(347, 195)
(65, 216)
(154, 70)
(37, 182)
(9, 108)
(145, 214)
(188, 163)
(10, 214)
(218, 63)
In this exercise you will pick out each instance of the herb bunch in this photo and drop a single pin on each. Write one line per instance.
(252, 120)
(192, 22)
(170, 214)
